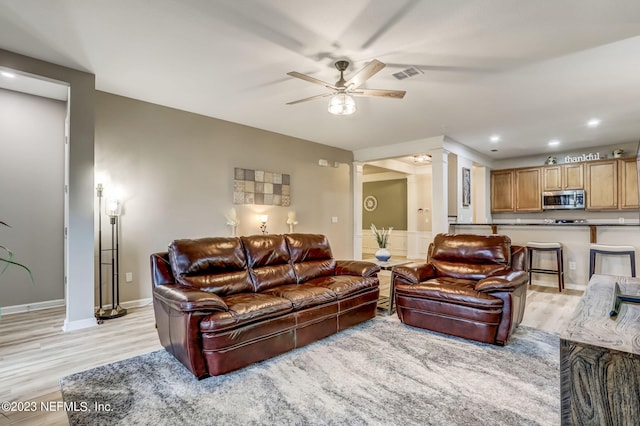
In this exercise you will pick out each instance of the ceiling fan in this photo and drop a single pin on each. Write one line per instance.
(342, 92)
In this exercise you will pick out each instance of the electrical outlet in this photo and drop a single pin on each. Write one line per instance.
(128, 277)
(572, 266)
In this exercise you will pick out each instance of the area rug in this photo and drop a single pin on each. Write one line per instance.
(377, 373)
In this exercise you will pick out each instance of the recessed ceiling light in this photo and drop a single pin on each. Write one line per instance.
(594, 122)
(495, 138)
(554, 142)
(8, 74)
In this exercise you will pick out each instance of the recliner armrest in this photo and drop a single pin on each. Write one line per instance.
(414, 273)
(504, 282)
(356, 267)
(184, 298)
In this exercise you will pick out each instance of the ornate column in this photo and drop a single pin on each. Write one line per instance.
(357, 179)
(440, 191)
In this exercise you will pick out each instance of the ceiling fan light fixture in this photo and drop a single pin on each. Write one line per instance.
(342, 104)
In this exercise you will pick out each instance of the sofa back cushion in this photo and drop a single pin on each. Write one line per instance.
(217, 265)
(311, 256)
(469, 256)
(268, 261)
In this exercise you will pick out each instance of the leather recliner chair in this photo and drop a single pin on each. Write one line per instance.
(472, 286)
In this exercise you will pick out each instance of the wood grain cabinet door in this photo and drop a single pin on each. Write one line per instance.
(572, 176)
(502, 191)
(528, 194)
(552, 178)
(602, 185)
(628, 184)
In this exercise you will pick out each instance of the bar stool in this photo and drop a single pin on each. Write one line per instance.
(595, 249)
(535, 246)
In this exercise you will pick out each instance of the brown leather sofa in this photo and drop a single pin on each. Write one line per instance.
(472, 286)
(223, 303)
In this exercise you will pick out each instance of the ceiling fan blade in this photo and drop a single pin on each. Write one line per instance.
(312, 80)
(395, 94)
(309, 98)
(364, 74)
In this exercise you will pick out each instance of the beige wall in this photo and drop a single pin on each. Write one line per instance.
(31, 190)
(174, 171)
(79, 267)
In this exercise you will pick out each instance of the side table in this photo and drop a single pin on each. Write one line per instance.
(386, 302)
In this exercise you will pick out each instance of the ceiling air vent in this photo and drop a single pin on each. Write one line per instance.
(409, 72)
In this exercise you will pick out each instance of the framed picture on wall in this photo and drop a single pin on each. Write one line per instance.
(466, 187)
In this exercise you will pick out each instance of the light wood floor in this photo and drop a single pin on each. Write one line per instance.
(35, 353)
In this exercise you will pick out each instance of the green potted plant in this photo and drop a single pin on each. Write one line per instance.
(382, 238)
(6, 259)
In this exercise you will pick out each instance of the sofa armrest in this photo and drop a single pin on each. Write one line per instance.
(414, 273)
(185, 299)
(508, 281)
(356, 267)
(161, 269)
(518, 258)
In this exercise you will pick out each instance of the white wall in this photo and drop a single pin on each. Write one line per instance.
(465, 213)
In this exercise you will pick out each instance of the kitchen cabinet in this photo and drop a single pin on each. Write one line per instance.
(563, 177)
(502, 191)
(527, 193)
(601, 185)
(610, 184)
(628, 184)
(516, 190)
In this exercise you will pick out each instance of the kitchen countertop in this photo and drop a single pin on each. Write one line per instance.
(516, 223)
(592, 225)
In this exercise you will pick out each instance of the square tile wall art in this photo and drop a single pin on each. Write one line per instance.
(260, 187)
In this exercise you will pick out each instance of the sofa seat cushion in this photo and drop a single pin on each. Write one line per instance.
(468, 271)
(345, 285)
(244, 309)
(303, 295)
(451, 290)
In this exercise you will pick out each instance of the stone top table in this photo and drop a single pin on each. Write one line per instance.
(386, 302)
(600, 357)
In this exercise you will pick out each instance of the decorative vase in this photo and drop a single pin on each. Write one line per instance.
(383, 254)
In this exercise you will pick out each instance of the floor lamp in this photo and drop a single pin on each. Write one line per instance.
(113, 211)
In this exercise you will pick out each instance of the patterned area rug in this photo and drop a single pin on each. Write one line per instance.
(377, 373)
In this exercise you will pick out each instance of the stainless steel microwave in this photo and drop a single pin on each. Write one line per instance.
(563, 200)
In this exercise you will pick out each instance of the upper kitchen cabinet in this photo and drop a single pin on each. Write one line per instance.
(516, 190)
(502, 191)
(601, 185)
(528, 194)
(563, 177)
(628, 184)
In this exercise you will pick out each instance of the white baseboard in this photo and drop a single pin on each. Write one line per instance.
(28, 307)
(129, 304)
(137, 303)
(79, 324)
(91, 322)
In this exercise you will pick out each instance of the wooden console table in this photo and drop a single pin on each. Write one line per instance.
(600, 357)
